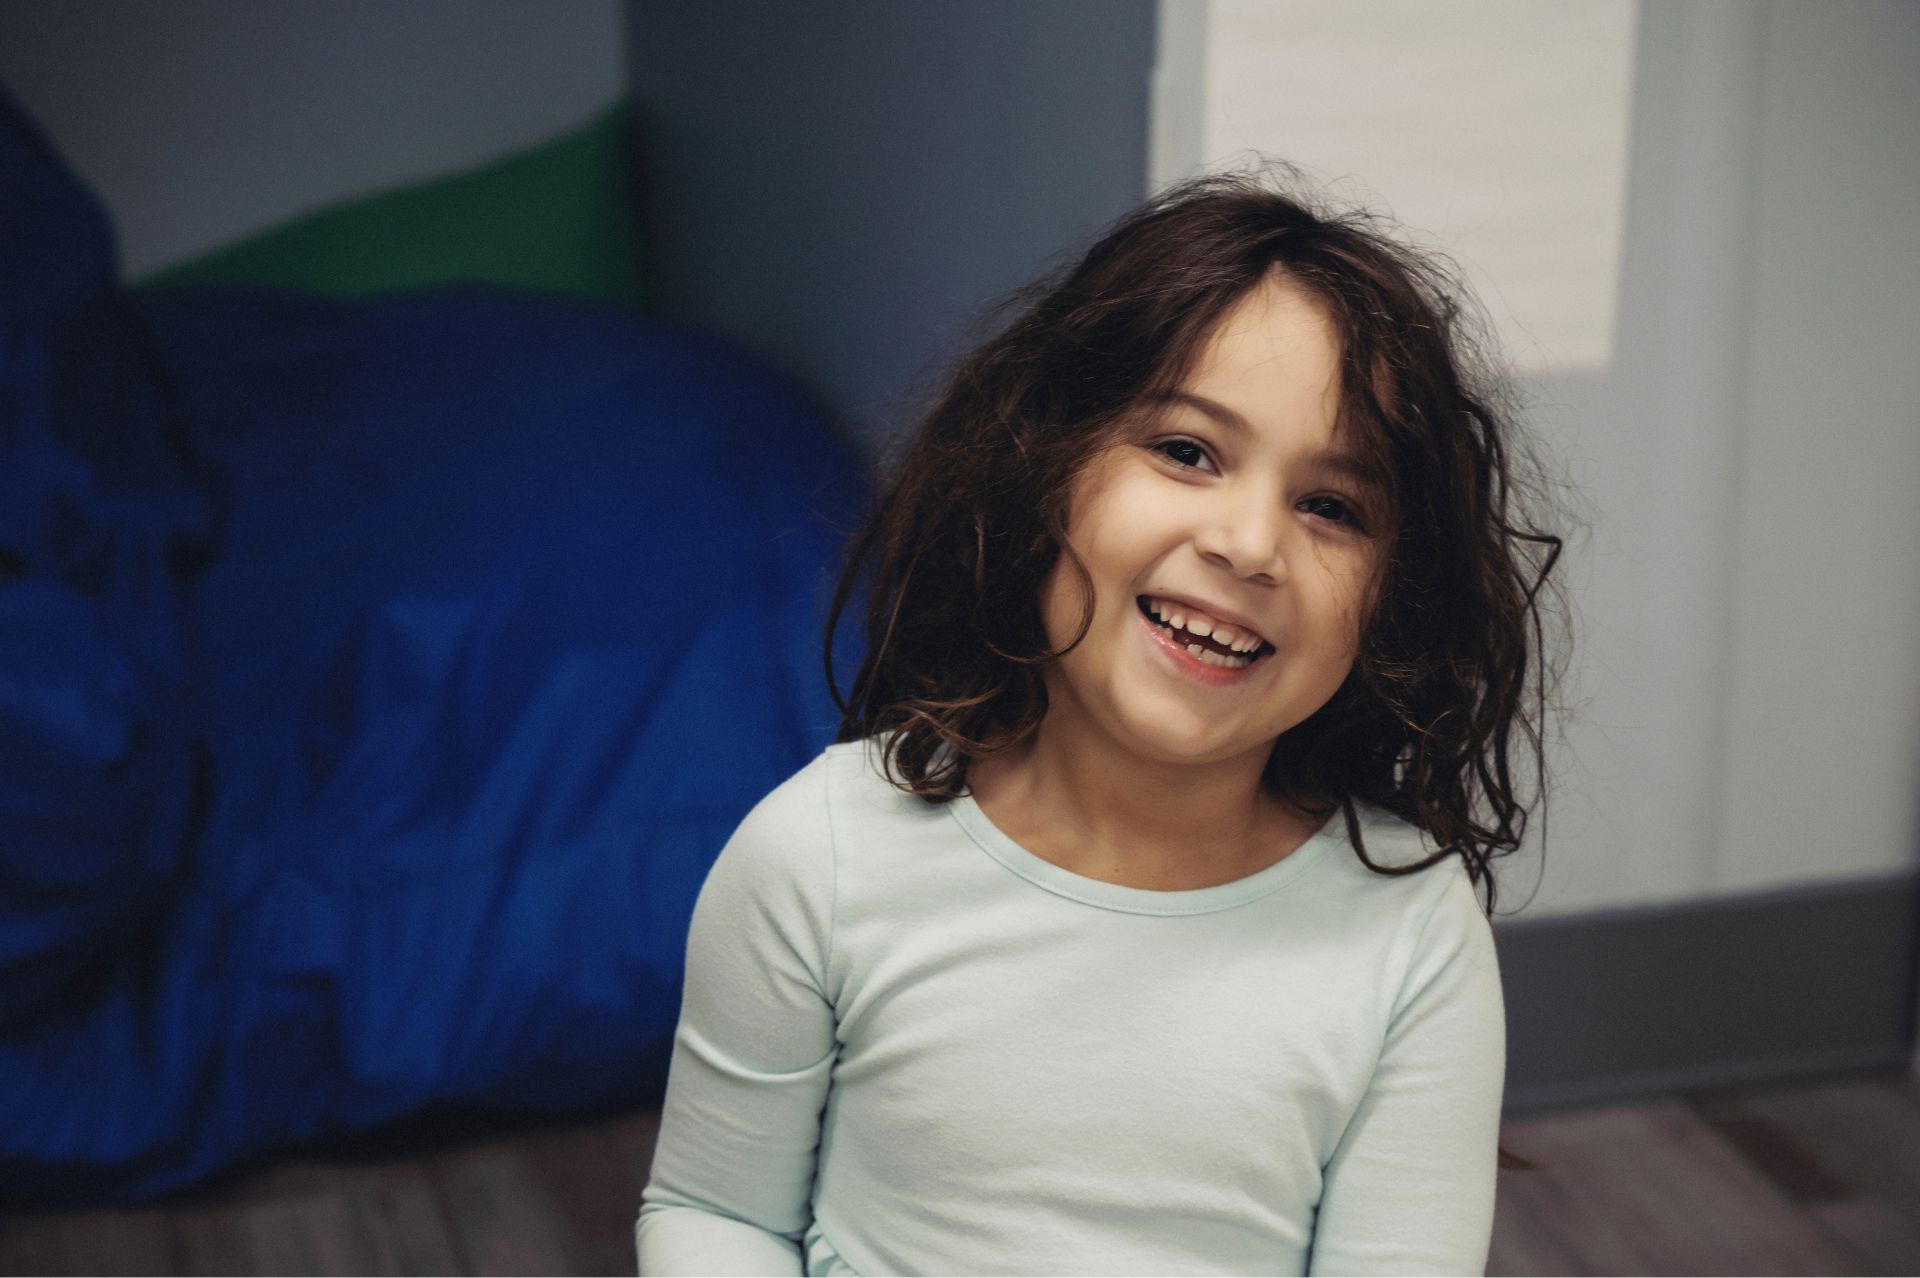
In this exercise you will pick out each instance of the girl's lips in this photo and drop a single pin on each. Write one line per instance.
(1192, 667)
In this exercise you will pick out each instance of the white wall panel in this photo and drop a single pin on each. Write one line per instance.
(1823, 651)
(1494, 129)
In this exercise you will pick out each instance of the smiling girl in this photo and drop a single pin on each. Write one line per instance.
(1131, 925)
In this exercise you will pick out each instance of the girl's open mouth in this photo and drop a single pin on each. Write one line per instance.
(1205, 656)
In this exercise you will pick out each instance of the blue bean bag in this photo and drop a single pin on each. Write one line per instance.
(378, 680)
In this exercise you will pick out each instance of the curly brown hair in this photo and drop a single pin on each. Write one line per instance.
(973, 517)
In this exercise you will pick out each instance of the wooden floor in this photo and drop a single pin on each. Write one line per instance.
(1820, 1178)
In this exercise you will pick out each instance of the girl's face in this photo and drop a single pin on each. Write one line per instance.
(1223, 511)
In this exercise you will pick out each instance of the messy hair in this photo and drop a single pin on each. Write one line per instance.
(972, 517)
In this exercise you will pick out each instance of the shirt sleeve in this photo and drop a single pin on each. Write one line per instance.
(1409, 1188)
(730, 1190)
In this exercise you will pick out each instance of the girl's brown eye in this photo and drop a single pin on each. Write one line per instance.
(1343, 513)
(1182, 452)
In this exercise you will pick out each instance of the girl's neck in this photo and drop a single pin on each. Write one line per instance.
(1121, 818)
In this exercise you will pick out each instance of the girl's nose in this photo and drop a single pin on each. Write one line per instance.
(1246, 537)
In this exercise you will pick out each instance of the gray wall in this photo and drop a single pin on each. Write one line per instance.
(840, 185)
(201, 121)
(1748, 697)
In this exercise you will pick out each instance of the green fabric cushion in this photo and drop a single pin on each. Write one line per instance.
(559, 217)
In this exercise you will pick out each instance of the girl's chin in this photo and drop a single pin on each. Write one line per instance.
(1197, 744)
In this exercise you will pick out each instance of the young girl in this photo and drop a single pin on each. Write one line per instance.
(1131, 926)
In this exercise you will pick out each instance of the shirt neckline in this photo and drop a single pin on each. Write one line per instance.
(1043, 873)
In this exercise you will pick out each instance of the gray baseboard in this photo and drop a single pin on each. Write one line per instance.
(1632, 1004)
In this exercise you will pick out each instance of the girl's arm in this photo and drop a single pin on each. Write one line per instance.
(732, 1176)
(1410, 1187)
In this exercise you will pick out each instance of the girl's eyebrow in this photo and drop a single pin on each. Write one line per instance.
(1344, 463)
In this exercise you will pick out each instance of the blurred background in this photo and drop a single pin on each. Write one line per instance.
(378, 375)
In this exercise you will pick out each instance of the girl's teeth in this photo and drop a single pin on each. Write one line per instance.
(1235, 638)
(1240, 641)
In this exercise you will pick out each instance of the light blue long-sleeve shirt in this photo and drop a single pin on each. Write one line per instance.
(909, 1045)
